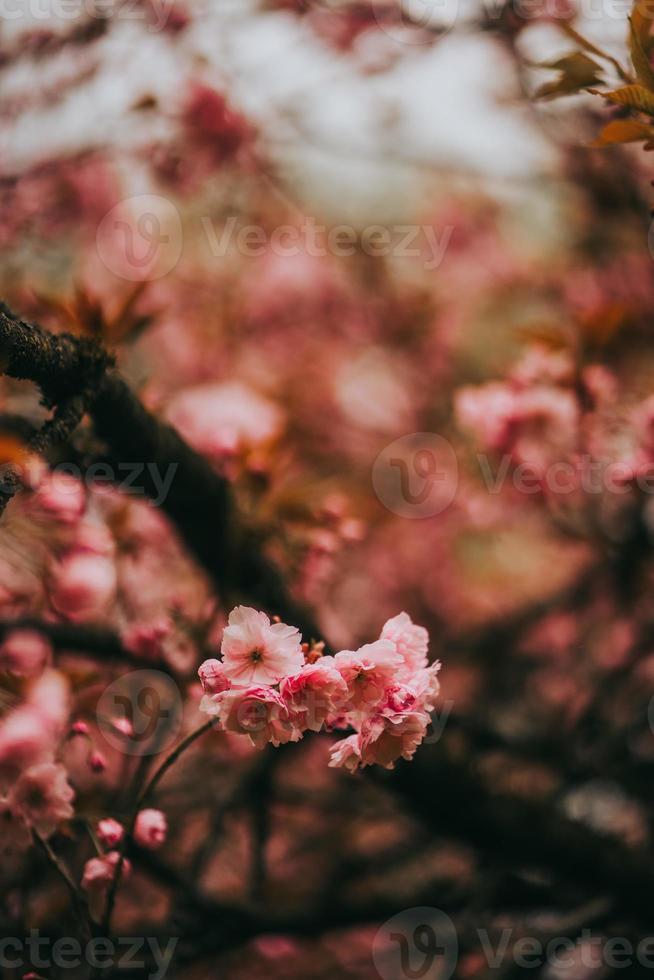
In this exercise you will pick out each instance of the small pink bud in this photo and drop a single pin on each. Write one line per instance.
(212, 677)
(110, 832)
(123, 725)
(79, 728)
(97, 762)
(150, 829)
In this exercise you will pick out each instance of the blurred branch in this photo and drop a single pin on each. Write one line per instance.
(199, 501)
(82, 638)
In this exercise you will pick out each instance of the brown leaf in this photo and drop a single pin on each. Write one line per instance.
(635, 96)
(624, 131)
(576, 71)
(639, 48)
(642, 16)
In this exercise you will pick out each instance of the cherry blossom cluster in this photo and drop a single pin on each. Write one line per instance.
(35, 795)
(533, 415)
(273, 688)
(150, 830)
(547, 411)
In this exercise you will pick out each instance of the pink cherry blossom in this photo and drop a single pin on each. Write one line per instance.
(50, 695)
(410, 641)
(220, 419)
(427, 686)
(259, 712)
(101, 871)
(24, 652)
(83, 585)
(25, 738)
(147, 639)
(346, 754)
(212, 676)
(315, 692)
(486, 411)
(43, 796)
(391, 735)
(367, 672)
(150, 829)
(60, 496)
(258, 652)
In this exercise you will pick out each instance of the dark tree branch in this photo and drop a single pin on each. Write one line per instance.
(68, 369)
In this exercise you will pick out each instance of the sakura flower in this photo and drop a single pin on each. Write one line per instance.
(367, 672)
(83, 585)
(314, 693)
(427, 685)
(60, 496)
(486, 411)
(258, 712)
(534, 424)
(410, 641)
(150, 829)
(43, 797)
(24, 652)
(49, 695)
(212, 677)
(99, 872)
(213, 126)
(346, 754)
(225, 418)
(544, 425)
(110, 832)
(392, 734)
(258, 652)
(29, 731)
(25, 739)
(147, 639)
